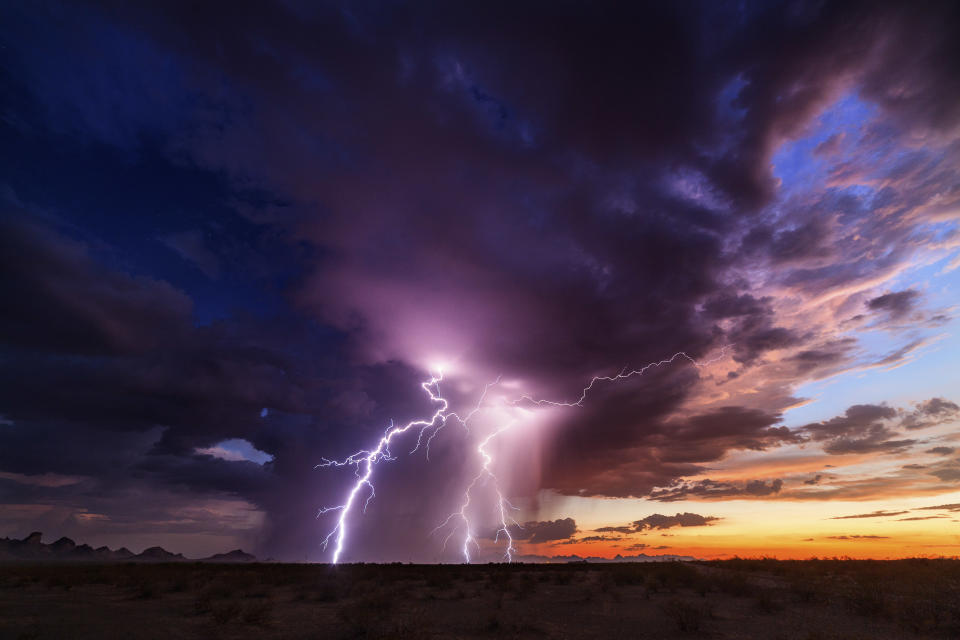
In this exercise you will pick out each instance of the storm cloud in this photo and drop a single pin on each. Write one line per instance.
(537, 532)
(267, 223)
(686, 519)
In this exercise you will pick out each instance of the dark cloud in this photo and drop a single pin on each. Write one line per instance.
(707, 436)
(110, 380)
(822, 358)
(939, 408)
(624, 530)
(873, 428)
(686, 519)
(713, 490)
(599, 538)
(931, 413)
(941, 507)
(121, 353)
(537, 532)
(897, 304)
(808, 241)
(592, 539)
(727, 305)
(878, 440)
(874, 514)
(62, 302)
(948, 471)
(941, 451)
(659, 522)
(814, 480)
(593, 252)
(662, 451)
(754, 338)
(858, 537)
(857, 420)
(761, 488)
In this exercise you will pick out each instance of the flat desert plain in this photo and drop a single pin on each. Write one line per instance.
(769, 599)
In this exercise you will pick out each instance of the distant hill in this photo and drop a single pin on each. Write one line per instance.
(32, 549)
(159, 554)
(237, 555)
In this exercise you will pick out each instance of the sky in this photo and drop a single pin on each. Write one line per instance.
(237, 239)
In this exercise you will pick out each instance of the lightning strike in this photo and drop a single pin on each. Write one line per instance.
(465, 421)
(623, 375)
(486, 473)
(364, 461)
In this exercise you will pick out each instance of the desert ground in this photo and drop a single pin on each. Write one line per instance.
(808, 600)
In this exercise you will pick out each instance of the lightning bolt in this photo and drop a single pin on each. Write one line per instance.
(465, 421)
(486, 473)
(364, 461)
(623, 375)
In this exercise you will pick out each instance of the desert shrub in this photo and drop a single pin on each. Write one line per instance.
(355, 617)
(98, 576)
(257, 613)
(500, 579)
(492, 624)
(175, 586)
(671, 576)
(866, 598)
(203, 603)
(735, 584)
(767, 603)
(808, 590)
(606, 581)
(688, 616)
(145, 590)
(249, 583)
(14, 582)
(441, 580)
(362, 588)
(471, 576)
(524, 585)
(367, 615)
(562, 577)
(703, 587)
(219, 589)
(628, 574)
(58, 581)
(409, 625)
(257, 591)
(917, 616)
(225, 612)
(326, 593)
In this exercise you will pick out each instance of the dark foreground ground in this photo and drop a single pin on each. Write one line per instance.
(808, 600)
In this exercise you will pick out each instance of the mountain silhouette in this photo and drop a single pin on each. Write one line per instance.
(32, 550)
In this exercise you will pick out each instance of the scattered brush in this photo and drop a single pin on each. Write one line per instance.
(687, 616)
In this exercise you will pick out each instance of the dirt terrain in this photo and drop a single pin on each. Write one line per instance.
(808, 600)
